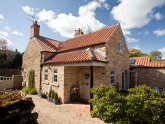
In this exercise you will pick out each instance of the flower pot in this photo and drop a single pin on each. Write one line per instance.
(56, 101)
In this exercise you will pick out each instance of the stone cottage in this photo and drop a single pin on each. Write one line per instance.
(144, 70)
(84, 61)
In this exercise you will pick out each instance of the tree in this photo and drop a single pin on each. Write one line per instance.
(135, 52)
(155, 55)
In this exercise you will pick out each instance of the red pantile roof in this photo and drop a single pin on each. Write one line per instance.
(91, 39)
(147, 62)
(74, 56)
(47, 44)
(94, 38)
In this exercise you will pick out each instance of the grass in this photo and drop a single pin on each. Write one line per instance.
(31, 91)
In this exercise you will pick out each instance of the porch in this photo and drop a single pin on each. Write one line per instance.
(84, 77)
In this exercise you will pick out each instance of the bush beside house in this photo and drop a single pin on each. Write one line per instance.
(141, 105)
(30, 89)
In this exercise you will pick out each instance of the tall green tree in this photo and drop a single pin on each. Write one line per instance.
(155, 55)
(135, 52)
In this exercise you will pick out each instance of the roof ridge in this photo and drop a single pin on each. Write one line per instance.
(49, 38)
(90, 32)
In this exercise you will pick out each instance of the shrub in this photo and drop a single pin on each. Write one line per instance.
(52, 94)
(43, 95)
(141, 105)
(49, 94)
(108, 105)
(31, 79)
(33, 91)
(144, 105)
(55, 95)
(30, 89)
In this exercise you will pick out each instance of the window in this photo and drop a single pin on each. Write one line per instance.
(119, 46)
(46, 74)
(55, 75)
(132, 76)
(112, 77)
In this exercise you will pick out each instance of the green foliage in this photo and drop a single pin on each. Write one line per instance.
(49, 94)
(55, 95)
(108, 105)
(52, 94)
(31, 78)
(43, 95)
(141, 105)
(135, 52)
(30, 89)
(155, 55)
(3, 96)
(33, 91)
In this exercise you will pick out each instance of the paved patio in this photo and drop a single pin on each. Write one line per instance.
(63, 114)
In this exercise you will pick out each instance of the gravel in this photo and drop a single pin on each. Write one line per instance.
(62, 114)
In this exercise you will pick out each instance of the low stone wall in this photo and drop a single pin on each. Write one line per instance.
(18, 112)
(17, 81)
(151, 76)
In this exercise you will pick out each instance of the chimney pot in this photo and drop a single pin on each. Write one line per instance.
(78, 32)
(35, 29)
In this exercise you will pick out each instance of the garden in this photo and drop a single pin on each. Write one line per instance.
(16, 108)
(142, 105)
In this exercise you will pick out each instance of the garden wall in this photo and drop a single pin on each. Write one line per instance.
(151, 76)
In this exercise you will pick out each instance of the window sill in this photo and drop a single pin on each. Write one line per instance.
(46, 83)
(55, 85)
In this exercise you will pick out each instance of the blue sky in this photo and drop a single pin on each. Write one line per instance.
(142, 21)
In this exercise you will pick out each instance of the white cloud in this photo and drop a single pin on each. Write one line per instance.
(46, 15)
(163, 52)
(28, 10)
(131, 40)
(65, 24)
(9, 43)
(1, 16)
(4, 34)
(159, 32)
(137, 47)
(17, 33)
(135, 13)
(158, 16)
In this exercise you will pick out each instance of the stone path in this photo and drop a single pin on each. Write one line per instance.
(62, 114)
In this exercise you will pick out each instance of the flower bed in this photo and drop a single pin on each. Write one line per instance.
(8, 96)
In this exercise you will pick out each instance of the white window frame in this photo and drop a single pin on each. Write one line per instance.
(55, 75)
(119, 46)
(46, 73)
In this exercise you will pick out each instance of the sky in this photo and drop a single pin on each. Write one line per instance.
(142, 21)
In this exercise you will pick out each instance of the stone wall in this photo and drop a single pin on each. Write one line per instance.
(151, 76)
(17, 81)
(49, 84)
(118, 61)
(32, 60)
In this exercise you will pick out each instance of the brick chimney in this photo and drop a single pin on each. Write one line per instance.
(35, 30)
(78, 32)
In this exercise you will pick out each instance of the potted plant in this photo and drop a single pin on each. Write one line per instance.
(52, 96)
(49, 95)
(56, 99)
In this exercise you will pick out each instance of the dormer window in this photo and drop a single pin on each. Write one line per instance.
(119, 46)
